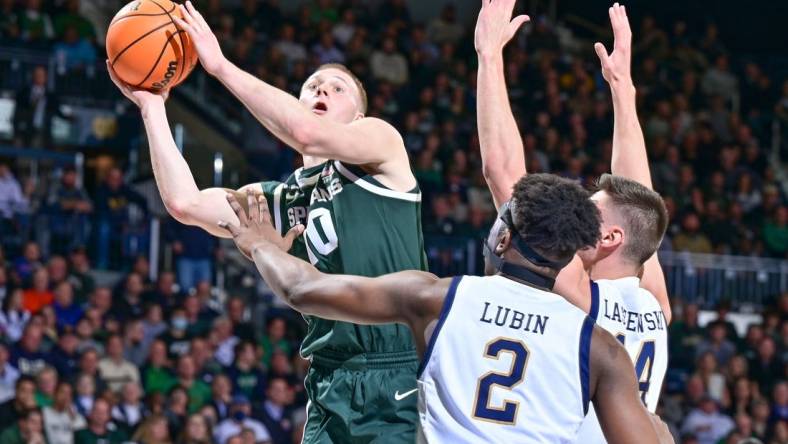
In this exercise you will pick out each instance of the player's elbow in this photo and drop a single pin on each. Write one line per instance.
(307, 136)
(180, 209)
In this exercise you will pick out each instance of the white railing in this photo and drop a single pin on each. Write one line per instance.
(747, 282)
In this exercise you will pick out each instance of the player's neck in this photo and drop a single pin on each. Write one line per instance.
(613, 267)
(311, 161)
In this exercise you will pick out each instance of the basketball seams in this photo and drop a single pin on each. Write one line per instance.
(112, 63)
(143, 14)
(161, 53)
(180, 36)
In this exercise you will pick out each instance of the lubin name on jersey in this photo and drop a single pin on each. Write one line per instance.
(533, 323)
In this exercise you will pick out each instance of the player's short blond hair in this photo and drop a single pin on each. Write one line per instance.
(362, 92)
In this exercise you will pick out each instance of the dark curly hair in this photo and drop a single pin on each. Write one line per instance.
(554, 216)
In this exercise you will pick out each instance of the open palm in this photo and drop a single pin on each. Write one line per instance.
(616, 65)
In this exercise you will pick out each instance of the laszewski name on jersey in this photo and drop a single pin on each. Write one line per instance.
(633, 321)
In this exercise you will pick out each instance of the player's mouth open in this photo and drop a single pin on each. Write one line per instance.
(320, 108)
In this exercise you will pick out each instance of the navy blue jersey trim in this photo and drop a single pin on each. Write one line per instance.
(594, 301)
(447, 302)
(584, 354)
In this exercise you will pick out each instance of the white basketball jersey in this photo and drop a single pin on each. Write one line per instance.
(633, 315)
(506, 363)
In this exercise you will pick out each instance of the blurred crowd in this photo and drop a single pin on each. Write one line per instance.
(172, 360)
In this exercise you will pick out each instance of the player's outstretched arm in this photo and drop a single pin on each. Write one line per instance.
(503, 156)
(365, 141)
(614, 392)
(630, 158)
(179, 192)
(409, 297)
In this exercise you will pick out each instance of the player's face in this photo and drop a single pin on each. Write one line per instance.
(333, 94)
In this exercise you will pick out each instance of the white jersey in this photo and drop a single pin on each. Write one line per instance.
(506, 363)
(633, 315)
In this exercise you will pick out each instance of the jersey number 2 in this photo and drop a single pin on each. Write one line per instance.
(643, 365)
(507, 413)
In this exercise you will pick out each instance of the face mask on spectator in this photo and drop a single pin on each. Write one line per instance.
(180, 323)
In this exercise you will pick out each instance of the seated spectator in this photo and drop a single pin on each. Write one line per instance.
(66, 311)
(275, 412)
(12, 202)
(221, 396)
(153, 323)
(29, 429)
(129, 411)
(766, 367)
(99, 428)
(445, 28)
(775, 233)
(194, 249)
(129, 303)
(38, 295)
(72, 18)
(198, 319)
(64, 356)
(245, 374)
(24, 399)
(717, 344)
(207, 367)
(69, 205)
(88, 365)
(46, 383)
(274, 340)
(691, 238)
(135, 349)
(113, 201)
(61, 420)
(83, 281)
(707, 423)
(86, 394)
(326, 51)
(157, 377)
(389, 65)
(198, 392)
(27, 354)
(240, 418)
(177, 409)
(8, 375)
(224, 341)
(197, 431)
(166, 293)
(114, 369)
(239, 317)
(153, 429)
(36, 25)
(13, 317)
(177, 336)
(780, 402)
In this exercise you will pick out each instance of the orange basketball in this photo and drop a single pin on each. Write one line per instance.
(146, 48)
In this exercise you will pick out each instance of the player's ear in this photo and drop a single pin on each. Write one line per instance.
(359, 115)
(613, 237)
(504, 241)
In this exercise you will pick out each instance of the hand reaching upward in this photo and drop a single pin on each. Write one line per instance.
(495, 26)
(616, 65)
(205, 42)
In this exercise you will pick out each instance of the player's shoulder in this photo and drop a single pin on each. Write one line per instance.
(381, 128)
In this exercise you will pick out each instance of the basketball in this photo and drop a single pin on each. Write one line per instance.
(146, 48)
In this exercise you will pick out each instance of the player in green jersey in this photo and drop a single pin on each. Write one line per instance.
(363, 217)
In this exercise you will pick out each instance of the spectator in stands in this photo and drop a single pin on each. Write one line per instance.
(274, 340)
(221, 395)
(239, 317)
(194, 249)
(153, 429)
(718, 344)
(114, 369)
(198, 392)
(64, 356)
(74, 53)
(113, 202)
(275, 412)
(13, 317)
(70, 206)
(388, 64)
(691, 238)
(35, 24)
(26, 354)
(326, 51)
(445, 28)
(99, 428)
(8, 375)
(177, 409)
(130, 304)
(240, 418)
(245, 374)
(157, 376)
(46, 382)
(767, 367)
(61, 420)
(12, 201)
(707, 423)
(27, 430)
(66, 311)
(35, 108)
(153, 323)
(129, 411)
(775, 233)
(197, 431)
(177, 336)
(24, 399)
(38, 295)
(80, 272)
(224, 341)
(135, 349)
(71, 17)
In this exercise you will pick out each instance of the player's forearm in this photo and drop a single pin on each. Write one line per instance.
(630, 159)
(286, 275)
(503, 157)
(178, 190)
(278, 111)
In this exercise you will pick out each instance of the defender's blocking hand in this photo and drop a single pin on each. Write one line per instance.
(616, 65)
(495, 26)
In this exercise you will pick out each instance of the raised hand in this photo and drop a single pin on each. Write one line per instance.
(495, 26)
(256, 226)
(205, 42)
(139, 96)
(616, 65)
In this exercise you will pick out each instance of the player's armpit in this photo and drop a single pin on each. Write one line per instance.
(614, 392)
(653, 280)
(574, 284)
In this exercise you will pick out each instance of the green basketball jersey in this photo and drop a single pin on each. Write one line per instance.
(288, 203)
(358, 226)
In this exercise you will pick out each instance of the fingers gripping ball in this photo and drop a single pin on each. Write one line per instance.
(146, 48)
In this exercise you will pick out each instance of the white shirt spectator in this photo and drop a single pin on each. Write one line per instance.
(12, 200)
(59, 426)
(391, 67)
(225, 352)
(707, 427)
(116, 374)
(8, 377)
(127, 414)
(229, 428)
